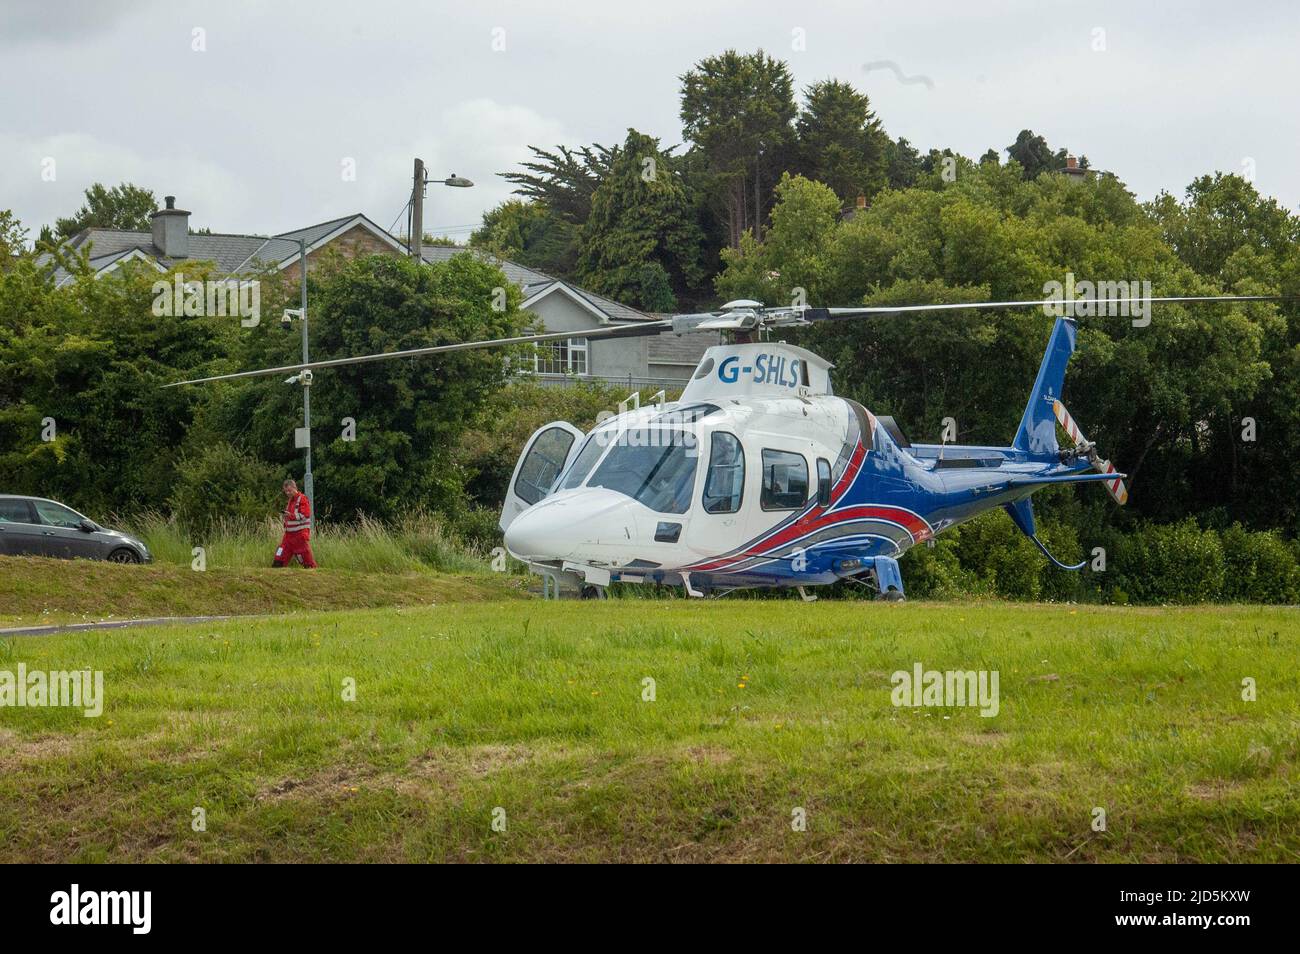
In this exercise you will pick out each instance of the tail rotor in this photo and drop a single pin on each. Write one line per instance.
(1087, 449)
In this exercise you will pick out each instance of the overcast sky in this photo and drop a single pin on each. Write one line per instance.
(251, 133)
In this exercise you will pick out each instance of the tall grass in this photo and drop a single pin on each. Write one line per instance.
(418, 541)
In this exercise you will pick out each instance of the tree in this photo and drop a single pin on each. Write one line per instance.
(641, 214)
(407, 413)
(564, 180)
(841, 143)
(903, 164)
(83, 415)
(1036, 157)
(793, 256)
(531, 234)
(124, 206)
(1156, 398)
(13, 237)
(1033, 154)
(738, 110)
(1220, 215)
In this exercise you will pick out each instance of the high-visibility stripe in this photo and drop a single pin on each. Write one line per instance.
(1067, 422)
(1115, 487)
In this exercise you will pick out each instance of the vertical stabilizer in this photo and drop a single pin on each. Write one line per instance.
(1037, 433)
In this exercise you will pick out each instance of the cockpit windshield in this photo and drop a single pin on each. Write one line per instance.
(653, 466)
(583, 463)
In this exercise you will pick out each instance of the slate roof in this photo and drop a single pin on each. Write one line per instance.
(238, 254)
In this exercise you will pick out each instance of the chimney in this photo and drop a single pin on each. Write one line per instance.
(171, 230)
(1072, 170)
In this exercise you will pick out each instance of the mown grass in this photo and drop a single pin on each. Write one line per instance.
(760, 708)
(36, 591)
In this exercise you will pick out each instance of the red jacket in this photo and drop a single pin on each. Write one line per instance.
(297, 515)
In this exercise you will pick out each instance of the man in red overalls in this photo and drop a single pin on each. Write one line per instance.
(297, 529)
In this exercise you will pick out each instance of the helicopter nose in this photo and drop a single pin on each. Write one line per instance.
(559, 529)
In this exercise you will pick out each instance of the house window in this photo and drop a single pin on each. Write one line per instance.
(561, 357)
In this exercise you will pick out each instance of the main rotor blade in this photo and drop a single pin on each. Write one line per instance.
(685, 324)
(641, 329)
(1066, 306)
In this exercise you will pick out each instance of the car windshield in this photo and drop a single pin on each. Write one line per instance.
(653, 466)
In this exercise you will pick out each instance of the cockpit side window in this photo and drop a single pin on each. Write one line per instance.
(785, 480)
(542, 466)
(725, 487)
(585, 460)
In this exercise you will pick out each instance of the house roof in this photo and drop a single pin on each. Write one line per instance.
(240, 254)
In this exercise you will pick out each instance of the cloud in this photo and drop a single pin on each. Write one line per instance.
(62, 22)
(76, 160)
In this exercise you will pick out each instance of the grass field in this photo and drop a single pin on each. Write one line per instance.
(36, 591)
(535, 712)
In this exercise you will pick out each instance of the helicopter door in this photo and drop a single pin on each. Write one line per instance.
(546, 455)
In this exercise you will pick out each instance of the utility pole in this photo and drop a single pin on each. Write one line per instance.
(302, 435)
(417, 211)
(308, 486)
(419, 180)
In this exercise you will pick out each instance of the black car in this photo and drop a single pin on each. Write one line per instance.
(33, 526)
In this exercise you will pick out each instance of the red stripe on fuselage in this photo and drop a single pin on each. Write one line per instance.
(820, 519)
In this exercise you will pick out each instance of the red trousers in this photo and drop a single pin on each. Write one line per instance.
(295, 544)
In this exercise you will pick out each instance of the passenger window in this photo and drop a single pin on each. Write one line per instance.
(14, 511)
(725, 486)
(56, 515)
(785, 481)
(823, 482)
(543, 464)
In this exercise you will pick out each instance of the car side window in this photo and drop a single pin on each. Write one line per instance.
(785, 480)
(56, 515)
(725, 486)
(15, 511)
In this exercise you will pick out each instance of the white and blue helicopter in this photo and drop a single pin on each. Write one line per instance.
(759, 476)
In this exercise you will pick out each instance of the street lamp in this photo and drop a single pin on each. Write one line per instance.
(418, 182)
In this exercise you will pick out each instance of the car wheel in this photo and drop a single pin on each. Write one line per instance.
(124, 555)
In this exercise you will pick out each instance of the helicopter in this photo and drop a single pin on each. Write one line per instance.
(759, 475)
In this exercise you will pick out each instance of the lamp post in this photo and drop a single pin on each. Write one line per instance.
(302, 436)
(419, 181)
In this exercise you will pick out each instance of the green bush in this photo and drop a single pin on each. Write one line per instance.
(1001, 557)
(1260, 567)
(936, 573)
(219, 483)
(1171, 563)
(1055, 584)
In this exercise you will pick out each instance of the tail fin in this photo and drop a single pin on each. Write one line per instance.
(1037, 433)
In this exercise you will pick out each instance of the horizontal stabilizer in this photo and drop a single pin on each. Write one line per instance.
(1062, 479)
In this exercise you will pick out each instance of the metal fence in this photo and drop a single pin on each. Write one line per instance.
(631, 382)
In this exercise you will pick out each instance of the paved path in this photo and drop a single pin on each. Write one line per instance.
(112, 624)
